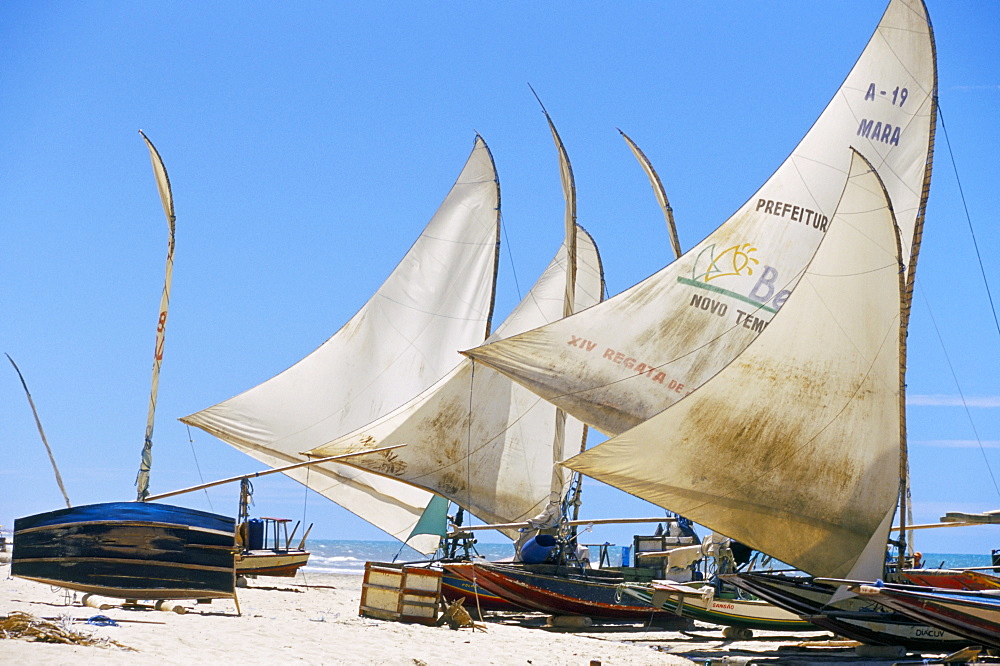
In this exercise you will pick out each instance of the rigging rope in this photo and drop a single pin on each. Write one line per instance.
(972, 233)
(986, 285)
(510, 256)
(958, 387)
(201, 478)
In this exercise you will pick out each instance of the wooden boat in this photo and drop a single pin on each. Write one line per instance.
(267, 545)
(490, 446)
(132, 550)
(787, 434)
(703, 602)
(855, 618)
(972, 614)
(128, 550)
(559, 590)
(454, 586)
(272, 554)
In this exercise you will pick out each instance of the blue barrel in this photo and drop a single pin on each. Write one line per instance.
(536, 549)
(626, 556)
(255, 534)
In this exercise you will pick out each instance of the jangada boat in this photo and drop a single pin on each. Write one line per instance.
(812, 479)
(492, 447)
(974, 615)
(267, 545)
(128, 550)
(132, 550)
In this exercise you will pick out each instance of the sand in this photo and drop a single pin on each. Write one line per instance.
(311, 619)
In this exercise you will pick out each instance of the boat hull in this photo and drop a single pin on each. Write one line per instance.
(129, 550)
(558, 590)
(280, 564)
(746, 613)
(973, 615)
(855, 618)
(454, 587)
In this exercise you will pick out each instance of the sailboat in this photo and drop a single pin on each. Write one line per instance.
(493, 447)
(133, 550)
(437, 300)
(973, 614)
(738, 496)
(685, 324)
(267, 545)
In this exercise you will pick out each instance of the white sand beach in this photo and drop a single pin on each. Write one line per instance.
(310, 619)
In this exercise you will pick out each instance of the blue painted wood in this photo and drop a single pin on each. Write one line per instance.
(130, 550)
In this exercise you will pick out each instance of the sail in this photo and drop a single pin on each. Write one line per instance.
(437, 300)
(794, 447)
(476, 437)
(167, 199)
(620, 362)
(659, 192)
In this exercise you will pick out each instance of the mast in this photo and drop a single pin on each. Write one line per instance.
(163, 185)
(41, 432)
(569, 195)
(906, 304)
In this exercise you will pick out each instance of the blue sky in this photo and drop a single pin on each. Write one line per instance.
(309, 143)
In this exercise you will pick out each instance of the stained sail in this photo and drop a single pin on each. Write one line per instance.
(438, 299)
(794, 447)
(619, 363)
(476, 437)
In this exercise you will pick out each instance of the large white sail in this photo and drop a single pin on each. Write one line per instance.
(620, 362)
(794, 447)
(476, 437)
(438, 300)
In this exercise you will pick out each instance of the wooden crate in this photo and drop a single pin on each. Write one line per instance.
(400, 592)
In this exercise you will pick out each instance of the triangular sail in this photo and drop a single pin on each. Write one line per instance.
(476, 437)
(621, 362)
(438, 299)
(793, 448)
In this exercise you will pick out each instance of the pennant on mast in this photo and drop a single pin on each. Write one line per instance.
(166, 198)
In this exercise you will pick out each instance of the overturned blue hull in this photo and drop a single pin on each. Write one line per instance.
(129, 550)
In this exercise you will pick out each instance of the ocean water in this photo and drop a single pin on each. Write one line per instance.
(349, 557)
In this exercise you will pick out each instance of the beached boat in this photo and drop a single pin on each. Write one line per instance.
(706, 603)
(132, 550)
(128, 550)
(856, 618)
(267, 545)
(777, 493)
(559, 589)
(974, 615)
(491, 446)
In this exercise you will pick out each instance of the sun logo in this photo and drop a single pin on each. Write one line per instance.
(735, 260)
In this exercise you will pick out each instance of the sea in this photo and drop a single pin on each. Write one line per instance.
(349, 557)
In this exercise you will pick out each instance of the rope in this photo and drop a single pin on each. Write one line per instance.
(968, 218)
(961, 395)
(201, 478)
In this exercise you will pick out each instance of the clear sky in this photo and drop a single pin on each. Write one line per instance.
(308, 144)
